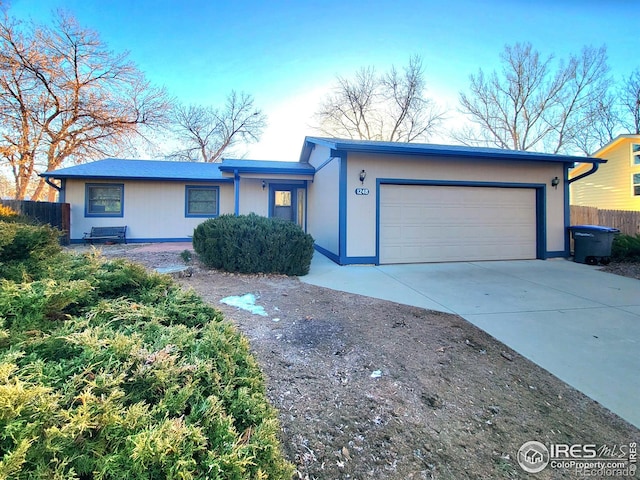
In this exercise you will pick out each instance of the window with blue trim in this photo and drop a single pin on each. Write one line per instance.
(636, 184)
(104, 200)
(201, 201)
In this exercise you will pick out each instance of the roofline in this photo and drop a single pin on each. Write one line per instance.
(428, 150)
(269, 170)
(121, 177)
(615, 141)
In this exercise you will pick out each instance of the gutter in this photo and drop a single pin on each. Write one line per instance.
(51, 184)
(594, 169)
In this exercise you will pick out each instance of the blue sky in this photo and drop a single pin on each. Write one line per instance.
(287, 53)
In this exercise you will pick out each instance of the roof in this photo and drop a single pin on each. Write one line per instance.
(119, 168)
(605, 149)
(266, 167)
(615, 142)
(432, 150)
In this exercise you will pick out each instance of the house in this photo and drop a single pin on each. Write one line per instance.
(616, 185)
(363, 202)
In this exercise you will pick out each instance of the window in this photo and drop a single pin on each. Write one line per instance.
(636, 184)
(201, 201)
(104, 200)
(635, 154)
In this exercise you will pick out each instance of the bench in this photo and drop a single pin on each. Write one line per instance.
(106, 233)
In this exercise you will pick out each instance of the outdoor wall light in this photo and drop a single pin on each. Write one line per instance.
(264, 184)
(554, 182)
(363, 175)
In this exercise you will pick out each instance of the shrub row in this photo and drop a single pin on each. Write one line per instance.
(253, 244)
(626, 248)
(110, 372)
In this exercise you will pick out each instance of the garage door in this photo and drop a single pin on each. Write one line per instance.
(447, 224)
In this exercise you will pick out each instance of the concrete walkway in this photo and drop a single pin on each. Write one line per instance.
(579, 323)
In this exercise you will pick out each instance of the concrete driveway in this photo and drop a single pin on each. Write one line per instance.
(579, 323)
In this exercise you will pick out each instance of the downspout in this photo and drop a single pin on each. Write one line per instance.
(594, 169)
(51, 184)
(60, 189)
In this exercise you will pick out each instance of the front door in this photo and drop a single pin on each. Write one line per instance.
(283, 200)
(288, 202)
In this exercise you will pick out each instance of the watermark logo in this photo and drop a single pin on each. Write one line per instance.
(533, 457)
(585, 460)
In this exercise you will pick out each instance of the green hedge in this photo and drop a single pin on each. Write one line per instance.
(26, 249)
(253, 244)
(626, 248)
(109, 372)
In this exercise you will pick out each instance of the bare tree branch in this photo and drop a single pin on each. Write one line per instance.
(530, 105)
(389, 107)
(207, 133)
(65, 97)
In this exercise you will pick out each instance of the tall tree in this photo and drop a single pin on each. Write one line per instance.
(630, 100)
(391, 106)
(205, 133)
(65, 97)
(534, 104)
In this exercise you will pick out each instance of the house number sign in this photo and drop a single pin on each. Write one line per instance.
(362, 191)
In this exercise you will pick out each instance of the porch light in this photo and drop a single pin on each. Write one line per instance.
(264, 184)
(363, 175)
(554, 182)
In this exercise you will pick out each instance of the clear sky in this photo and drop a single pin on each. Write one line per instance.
(287, 53)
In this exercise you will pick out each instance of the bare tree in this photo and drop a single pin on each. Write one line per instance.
(531, 105)
(630, 99)
(65, 97)
(390, 107)
(207, 132)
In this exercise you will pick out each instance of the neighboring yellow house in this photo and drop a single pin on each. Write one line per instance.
(616, 184)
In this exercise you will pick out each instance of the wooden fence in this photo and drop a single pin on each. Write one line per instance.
(628, 222)
(55, 214)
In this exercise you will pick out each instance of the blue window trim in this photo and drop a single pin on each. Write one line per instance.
(88, 214)
(188, 188)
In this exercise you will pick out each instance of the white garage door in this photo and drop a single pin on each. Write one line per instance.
(447, 224)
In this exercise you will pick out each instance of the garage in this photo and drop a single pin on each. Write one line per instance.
(428, 223)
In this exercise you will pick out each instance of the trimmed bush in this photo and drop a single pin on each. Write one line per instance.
(626, 248)
(253, 244)
(109, 372)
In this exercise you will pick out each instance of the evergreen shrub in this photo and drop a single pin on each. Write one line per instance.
(109, 372)
(626, 248)
(253, 244)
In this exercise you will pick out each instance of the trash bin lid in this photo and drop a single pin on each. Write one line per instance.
(594, 228)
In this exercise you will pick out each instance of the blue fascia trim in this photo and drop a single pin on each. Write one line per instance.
(236, 193)
(103, 215)
(144, 240)
(330, 255)
(541, 204)
(270, 170)
(200, 187)
(434, 150)
(122, 178)
(342, 205)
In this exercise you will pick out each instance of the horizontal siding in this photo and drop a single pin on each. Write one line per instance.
(152, 210)
(611, 186)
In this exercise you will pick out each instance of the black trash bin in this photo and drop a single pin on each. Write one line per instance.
(592, 243)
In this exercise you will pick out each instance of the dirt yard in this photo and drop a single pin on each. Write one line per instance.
(373, 389)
